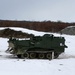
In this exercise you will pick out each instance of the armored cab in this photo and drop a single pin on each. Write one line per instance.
(37, 47)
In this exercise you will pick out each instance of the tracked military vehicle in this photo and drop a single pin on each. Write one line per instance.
(37, 47)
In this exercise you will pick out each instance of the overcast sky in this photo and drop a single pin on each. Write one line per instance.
(38, 10)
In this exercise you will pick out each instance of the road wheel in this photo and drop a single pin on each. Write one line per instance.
(56, 55)
(32, 55)
(41, 56)
(49, 56)
(26, 55)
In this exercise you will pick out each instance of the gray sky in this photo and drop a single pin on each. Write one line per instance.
(38, 10)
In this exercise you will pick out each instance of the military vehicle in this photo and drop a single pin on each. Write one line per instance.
(37, 47)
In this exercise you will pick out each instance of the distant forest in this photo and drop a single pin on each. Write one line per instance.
(47, 26)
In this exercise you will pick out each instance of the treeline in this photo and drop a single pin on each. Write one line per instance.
(47, 26)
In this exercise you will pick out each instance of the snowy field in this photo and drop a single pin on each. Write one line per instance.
(64, 65)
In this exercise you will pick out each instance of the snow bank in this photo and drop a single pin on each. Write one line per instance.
(70, 30)
(24, 30)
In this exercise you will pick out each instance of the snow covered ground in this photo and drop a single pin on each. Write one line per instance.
(64, 65)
